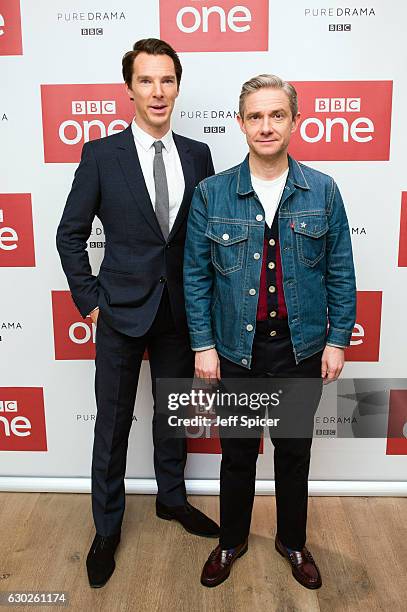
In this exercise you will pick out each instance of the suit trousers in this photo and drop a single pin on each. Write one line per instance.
(118, 361)
(273, 357)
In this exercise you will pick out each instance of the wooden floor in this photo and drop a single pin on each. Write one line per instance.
(359, 543)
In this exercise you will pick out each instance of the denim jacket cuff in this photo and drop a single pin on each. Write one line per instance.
(202, 340)
(340, 337)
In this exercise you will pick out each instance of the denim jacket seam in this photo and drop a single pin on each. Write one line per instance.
(331, 197)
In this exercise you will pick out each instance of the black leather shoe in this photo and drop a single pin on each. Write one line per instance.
(193, 520)
(100, 560)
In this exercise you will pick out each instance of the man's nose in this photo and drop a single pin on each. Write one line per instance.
(157, 91)
(267, 125)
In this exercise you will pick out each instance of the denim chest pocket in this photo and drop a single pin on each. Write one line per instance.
(310, 234)
(228, 242)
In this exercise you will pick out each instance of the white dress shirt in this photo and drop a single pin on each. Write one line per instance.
(173, 169)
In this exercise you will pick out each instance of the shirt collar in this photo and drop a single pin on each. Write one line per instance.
(146, 141)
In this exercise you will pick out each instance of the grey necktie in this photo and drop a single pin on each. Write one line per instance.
(162, 204)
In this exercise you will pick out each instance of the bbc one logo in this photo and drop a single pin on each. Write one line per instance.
(211, 25)
(74, 337)
(343, 120)
(365, 341)
(75, 114)
(10, 28)
(22, 419)
(16, 230)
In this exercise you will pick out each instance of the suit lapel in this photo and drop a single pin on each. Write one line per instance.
(130, 165)
(188, 169)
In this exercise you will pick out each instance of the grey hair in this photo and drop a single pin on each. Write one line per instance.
(272, 81)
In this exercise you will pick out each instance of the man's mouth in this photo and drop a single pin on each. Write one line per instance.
(158, 108)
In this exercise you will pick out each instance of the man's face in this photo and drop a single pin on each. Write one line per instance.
(267, 122)
(154, 90)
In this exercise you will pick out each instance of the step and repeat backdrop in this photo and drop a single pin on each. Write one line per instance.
(61, 85)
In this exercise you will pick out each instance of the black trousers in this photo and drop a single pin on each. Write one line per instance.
(118, 361)
(272, 357)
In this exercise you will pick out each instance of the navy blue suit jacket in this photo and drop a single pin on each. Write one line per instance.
(138, 261)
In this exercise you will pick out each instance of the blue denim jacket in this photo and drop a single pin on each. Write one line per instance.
(222, 265)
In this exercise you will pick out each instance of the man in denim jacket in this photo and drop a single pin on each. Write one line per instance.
(270, 292)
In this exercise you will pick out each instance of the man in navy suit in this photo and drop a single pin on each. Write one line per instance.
(139, 183)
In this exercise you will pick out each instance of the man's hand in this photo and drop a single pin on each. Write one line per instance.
(207, 365)
(333, 359)
(94, 315)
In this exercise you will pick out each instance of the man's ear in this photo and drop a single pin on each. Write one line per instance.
(295, 122)
(129, 92)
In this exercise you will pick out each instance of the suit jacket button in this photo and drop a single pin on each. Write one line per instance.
(162, 279)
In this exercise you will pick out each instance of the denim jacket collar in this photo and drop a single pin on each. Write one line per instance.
(295, 177)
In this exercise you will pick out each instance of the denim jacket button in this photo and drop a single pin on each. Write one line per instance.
(244, 361)
(249, 327)
(225, 236)
(259, 217)
(256, 256)
(252, 291)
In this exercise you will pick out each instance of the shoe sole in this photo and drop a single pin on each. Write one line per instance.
(168, 517)
(316, 586)
(218, 582)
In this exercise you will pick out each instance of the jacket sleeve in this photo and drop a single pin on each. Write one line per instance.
(74, 230)
(198, 274)
(340, 274)
(210, 170)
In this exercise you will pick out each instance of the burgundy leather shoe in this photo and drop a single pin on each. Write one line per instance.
(219, 563)
(303, 567)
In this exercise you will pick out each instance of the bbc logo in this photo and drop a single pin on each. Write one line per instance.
(214, 129)
(93, 107)
(8, 406)
(92, 31)
(340, 27)
(97, 245)
(337, 105)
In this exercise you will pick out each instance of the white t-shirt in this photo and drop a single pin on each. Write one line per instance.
(269, 194)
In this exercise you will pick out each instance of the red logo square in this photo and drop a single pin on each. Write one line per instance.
(22, 419)
(75, 114)
(16, 230)
(10, 28)
(343, 120)
(74, 337)
(365, 342)
(397, 423)
(211, 25)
